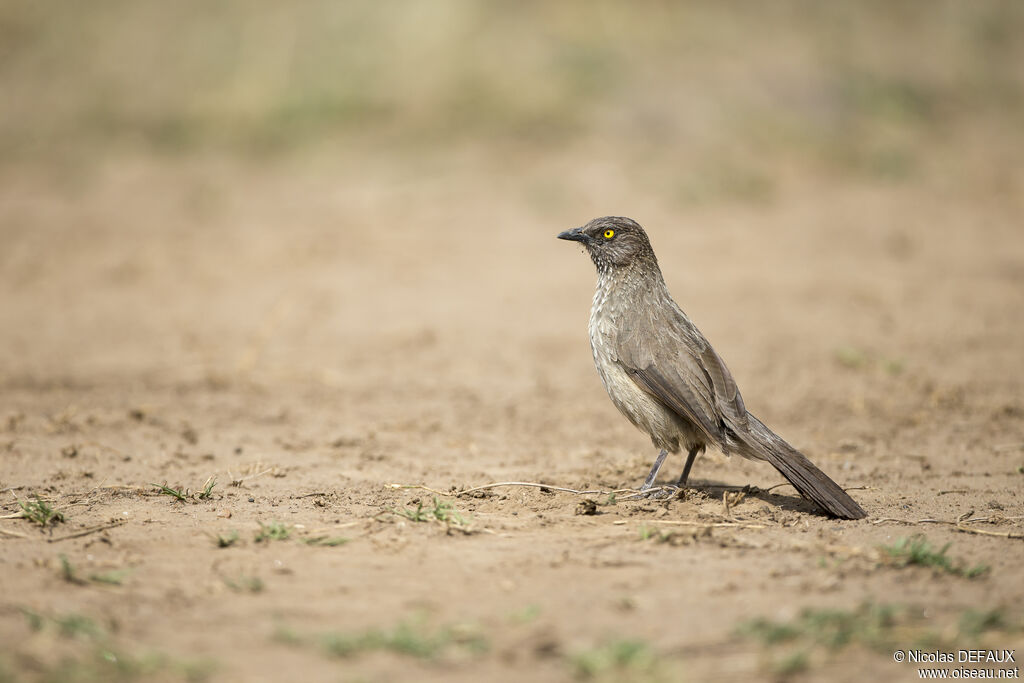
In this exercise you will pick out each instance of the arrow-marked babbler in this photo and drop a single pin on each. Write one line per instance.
(664, 376)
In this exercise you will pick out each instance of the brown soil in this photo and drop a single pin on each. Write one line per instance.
(311, 344)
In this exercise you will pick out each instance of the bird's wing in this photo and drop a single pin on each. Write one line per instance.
(681, 369)
(727, 394)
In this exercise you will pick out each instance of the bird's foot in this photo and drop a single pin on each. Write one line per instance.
(666, 492)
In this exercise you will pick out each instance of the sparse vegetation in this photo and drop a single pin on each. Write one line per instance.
(674, 536)
(103, 660)
(69, 625)
(273, 531)
(207, 489)
(244, 583)
(278, 531)
(870, 625)
(70, 574)
(816, 633)
(67, 570)
(227, 540)
(168, 491)
(916, 550)
(619, 659)
(415, 515)
(113, 578)
(525, 615)
(413, 639)
(182, 495)
(792, 663)
(855, 358)
(441, 511)
(328, 541)
(973, 623)
(40, 512)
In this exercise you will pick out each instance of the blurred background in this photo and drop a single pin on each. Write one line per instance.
(195, 191)
(715, 89)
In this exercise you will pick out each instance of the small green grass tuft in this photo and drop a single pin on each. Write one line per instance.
(916, 550)
(831, 628)
(168, 491)
(273, 531)
(35, 620)
(244, 583)
(67, 625)
(227, 540)
(676, 536)
(417, 515)
(410, 638)
(793, 663)
(207, 489)
(102, 659)
(106, 663)
(182, 495)
(525, 615)
(287, 635)
(112, 578)
(975, 622)
(67, 570)
(414, 640)
(330, 542)
(815, 634)
(621, 659)
(442, 512)
(851, 357)
(77, 626)
(40, 512)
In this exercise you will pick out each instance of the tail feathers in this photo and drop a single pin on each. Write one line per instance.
(812, 483)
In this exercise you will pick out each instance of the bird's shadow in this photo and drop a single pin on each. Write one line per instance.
(792, 503)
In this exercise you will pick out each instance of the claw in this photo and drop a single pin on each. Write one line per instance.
(666, 492)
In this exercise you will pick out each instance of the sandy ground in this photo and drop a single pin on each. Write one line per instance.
(313, 335)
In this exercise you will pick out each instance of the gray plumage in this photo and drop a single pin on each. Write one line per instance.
(664, 376)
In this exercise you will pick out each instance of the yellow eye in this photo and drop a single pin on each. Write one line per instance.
(608, 234)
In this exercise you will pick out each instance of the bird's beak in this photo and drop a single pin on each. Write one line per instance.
(576, 235)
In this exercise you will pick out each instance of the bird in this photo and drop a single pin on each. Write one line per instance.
(665, 377)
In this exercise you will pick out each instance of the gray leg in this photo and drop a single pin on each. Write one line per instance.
(686, 469)
(649, 481)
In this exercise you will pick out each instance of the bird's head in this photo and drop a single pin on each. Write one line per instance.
(613, 242)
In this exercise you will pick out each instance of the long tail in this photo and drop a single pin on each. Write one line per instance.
(812, 483)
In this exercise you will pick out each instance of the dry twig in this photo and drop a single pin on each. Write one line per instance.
(16, 534)
(91, 530)
(594, 492)
(961, 523)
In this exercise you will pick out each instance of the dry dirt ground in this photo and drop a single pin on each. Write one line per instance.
(327, 308)
(344, 356)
